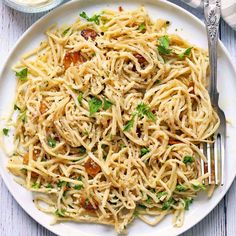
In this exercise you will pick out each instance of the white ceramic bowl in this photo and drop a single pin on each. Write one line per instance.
(27, 8)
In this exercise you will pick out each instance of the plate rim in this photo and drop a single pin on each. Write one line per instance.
(48, 16)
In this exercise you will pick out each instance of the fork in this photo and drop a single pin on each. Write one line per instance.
(215, 151)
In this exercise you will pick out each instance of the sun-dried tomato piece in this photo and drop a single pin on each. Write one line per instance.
(89, 33)
(43, 107)
(140, 58)
(72, 57)
(173, 141)
(86, 204)
(91, 167)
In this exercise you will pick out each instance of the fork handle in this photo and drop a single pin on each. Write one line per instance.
(212, 20)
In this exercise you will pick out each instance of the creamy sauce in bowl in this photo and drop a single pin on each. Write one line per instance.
(32, 2)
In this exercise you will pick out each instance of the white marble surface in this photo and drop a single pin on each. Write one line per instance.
(15, 222)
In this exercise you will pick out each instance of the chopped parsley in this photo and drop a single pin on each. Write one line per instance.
(187, 202)
(60, 183)
(5, 131)
(129, 124)
(49, 185)
(80, 97)
(94, 18)
(16, 107)
(188, 160)
(78, 186)
(144, 151)
(161, 194)
(186, 53)
(164, 44)
(82, 149)
(65, 31)
(51, 142)
(36, 185)
(22, 116)
(166, 205)
(94, 105)
(149, 200)
(180, 188)
(107, 104)
(60, 212)
(22, 75)
(144, 110)
(142, 27)
(142, 206)
(198, 186)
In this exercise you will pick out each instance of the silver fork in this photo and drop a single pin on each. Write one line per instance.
(215, 152)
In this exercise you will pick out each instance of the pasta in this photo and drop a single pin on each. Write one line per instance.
(111, 111)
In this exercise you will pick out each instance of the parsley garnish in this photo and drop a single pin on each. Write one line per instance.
(187, 202)
(5, 131)
(51, 142)
(188, 160)
(94, 18)
(167, 204)
(16, 107)
(186, 53)
(82, 149)
(180, 188)
(161, 194)
(164, 44)
(60, 212)
(49, 185)
(65, 31)
(60, 183)
(149, 200)
(107, 104)
(78, 187)
(35, 185)
(142, 206)
(144, 110)
(198, 186)
(94, 105)
(142, 27)
(22, 75)
(144, 151)
(129, 124)
(80, 97)
(22, 116)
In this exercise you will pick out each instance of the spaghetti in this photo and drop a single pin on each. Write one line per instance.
(111, 112)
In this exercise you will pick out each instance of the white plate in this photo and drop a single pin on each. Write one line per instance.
(191, 29)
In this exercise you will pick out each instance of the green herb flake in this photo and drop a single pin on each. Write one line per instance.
(36, 185)
(22, 75)
(60, 183)
(79, 178)
(5, 131)
(144, 151)
(144, 110)
(129, 124)
(187, 202)
(188, 160)
(78, 186)
(107, 104)
(142, 206)
(142, 27)
(199, 186)
(180, 188)
(164, 44)
(16, 107)
(49, 185)
(51, 142)
(161, 194)
(94, 18)
(22, 116)
(60, 213)
(167, 205)
(24, 171)
(80, 97)
(82, 149)
(149, 200)
(94, 105)
(186, 53)
(136, 213)
(65, 31)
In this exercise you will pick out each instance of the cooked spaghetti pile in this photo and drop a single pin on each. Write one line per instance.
(111, 112)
